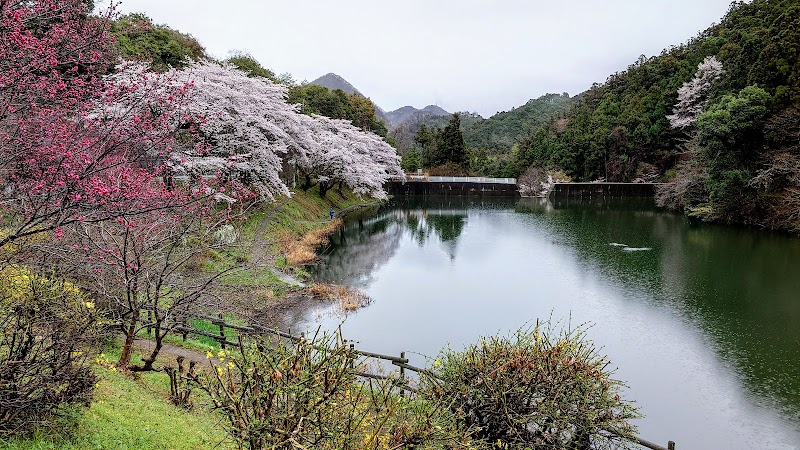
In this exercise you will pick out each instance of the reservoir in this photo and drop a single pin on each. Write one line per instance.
(702, 322)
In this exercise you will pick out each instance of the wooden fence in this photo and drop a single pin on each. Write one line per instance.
(222, 339)
(399, 361)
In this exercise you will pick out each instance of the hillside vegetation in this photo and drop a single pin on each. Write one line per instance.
(499, 133)
(138, 38)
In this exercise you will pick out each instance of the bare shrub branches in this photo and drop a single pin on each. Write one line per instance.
(304, 394)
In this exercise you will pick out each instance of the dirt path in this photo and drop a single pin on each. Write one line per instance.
(259, 252)
(169, 353)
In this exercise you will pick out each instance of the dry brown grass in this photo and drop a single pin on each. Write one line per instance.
(349, 299)
(303, 251)
(266, 294)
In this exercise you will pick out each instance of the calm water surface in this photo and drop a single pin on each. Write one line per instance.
(701, 321)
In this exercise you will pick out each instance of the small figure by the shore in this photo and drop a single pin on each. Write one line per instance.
(331, 213)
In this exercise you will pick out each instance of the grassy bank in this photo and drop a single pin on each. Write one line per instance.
(134, 412)
(271, 238)
(305, 212)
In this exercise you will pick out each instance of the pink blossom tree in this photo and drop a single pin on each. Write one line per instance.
(75, 144)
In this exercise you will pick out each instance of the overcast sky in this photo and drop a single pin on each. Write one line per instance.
(464, 55)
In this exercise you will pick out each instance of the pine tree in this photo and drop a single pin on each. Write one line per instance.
(453, 141)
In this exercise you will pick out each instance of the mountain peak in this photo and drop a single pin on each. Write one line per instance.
(333, 81)
(392, 119)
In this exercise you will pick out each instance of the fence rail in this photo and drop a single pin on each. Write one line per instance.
(429, 179)
(401, 362)
(650, 445)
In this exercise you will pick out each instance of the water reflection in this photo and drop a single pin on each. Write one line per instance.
(359, 249)
(366, 242)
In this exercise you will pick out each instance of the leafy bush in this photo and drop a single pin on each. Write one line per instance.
(537, 389)
(138, 38)
(47, 326)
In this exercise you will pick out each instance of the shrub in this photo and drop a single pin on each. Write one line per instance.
(47, 326)
(537, 389)
(305, 394)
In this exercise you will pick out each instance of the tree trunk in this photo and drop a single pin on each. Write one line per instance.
(323, 188)
(150, 360)
(130, 335)
(307, 184)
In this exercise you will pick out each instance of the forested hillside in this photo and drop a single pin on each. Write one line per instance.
(503, 130)
(138, 38)
(733, 156)
(335, 82)
(337, 104)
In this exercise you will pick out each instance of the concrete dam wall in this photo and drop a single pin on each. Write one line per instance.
(603, 190)
(507, 187)
(454, 188)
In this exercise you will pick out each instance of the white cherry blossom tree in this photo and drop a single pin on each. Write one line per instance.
(252, 134)
(692, 96)
(349, 157)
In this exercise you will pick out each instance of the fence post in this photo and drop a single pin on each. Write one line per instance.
(221, 332)
(402, 375)
(671, 445)
(185, 327)
(352, 356)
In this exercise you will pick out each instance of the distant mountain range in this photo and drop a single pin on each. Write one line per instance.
(496, 134)
(333, 82)
(392, 119)
(400, 115)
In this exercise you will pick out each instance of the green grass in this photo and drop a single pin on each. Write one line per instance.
(130, 413)
(303, 212)
(208, 343)
(306, 211)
